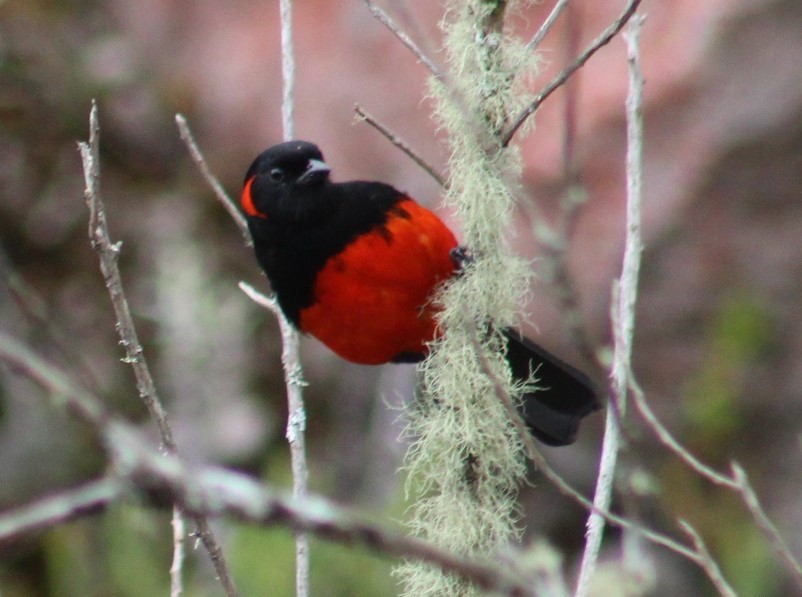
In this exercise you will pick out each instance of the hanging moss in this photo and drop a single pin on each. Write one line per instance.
(466, 461)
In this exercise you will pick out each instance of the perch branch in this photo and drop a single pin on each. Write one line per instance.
(290, 357)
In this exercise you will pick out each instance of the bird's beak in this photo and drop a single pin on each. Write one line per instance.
(316, 171)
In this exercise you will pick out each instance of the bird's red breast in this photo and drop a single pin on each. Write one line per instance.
(373, 300)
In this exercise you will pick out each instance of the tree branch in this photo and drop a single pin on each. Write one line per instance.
(623, 308)
(400, 144)
(60, 508)
(108, 254)
(229, 205)
(388, 22)
(213, 491)
(737, 482)
(287, 71)
(555, 13)
(290, 357)
(566, 73)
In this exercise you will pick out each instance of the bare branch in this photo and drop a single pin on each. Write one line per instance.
(388, 22)
(213, 491)
(623, 307)
(296, 421)
(221, 492)
(219, 191)
(706, 561)
(738, 482)
(555, 13)
(762, 520)
(108, 253)
(290, 358)
(60, 508)
(400, 144)
(287, 71)
(179, 541)
(668, 441)
(566, 73)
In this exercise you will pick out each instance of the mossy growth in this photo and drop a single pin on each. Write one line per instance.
(466, 460)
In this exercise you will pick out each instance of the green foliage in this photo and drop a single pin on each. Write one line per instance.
(739, 335)
(263, 562)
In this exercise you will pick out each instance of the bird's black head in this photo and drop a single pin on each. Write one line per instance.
(283, 173)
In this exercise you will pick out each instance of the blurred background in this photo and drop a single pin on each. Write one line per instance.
(718, 346)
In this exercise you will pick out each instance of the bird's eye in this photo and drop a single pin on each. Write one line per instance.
(276, 174)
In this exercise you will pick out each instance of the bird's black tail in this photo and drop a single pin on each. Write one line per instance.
(564, 395)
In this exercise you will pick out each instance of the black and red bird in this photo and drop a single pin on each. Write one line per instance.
(355, 265)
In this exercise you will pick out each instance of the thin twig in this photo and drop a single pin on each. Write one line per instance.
(229, 205)
(665, 437)
(738, 482)
(547, 25)
(564, 75)
(623, 307)
(61, 508)
(388, 22)
(213, 491)
(706, 561)
(296, 421)
(290, 357)
(179, 542)
(400, 144)
(108, 254)
(287, 71)
(764, 523)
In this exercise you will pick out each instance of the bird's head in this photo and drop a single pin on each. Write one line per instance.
(283, 175)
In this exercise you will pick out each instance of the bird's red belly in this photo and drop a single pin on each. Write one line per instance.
(373, 300)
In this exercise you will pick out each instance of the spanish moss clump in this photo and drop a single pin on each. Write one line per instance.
(466, 461)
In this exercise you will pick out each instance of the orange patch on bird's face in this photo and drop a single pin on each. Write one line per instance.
(246, 200)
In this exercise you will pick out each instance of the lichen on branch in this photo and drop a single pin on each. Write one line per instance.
(466, 461)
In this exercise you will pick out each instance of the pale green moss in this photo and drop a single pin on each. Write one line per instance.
(466, 461)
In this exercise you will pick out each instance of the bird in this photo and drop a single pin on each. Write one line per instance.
(356, 264)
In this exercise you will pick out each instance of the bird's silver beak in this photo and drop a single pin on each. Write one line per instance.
(316, 171)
